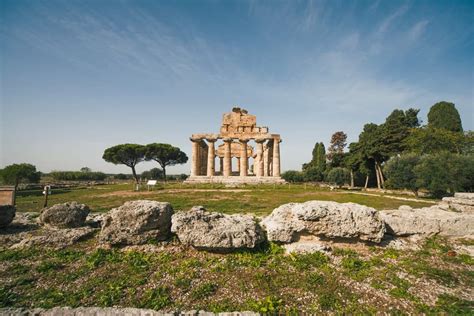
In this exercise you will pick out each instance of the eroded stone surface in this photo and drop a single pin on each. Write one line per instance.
(428, 221)
(65, 215)
(7, 213)
(324, 218)
(55, 238)
(137, 222)
(216, 231)
(461, 202)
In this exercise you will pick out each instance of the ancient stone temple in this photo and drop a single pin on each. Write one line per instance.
(237, 160)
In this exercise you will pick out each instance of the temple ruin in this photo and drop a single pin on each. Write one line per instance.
(237, 130)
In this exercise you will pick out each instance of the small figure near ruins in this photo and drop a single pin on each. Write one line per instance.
(237, 130)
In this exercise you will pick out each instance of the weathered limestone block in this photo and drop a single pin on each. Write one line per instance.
(56, 238)
(137, 222)
(461, 202)
(7, 213)
(65, 215)
(428, 221)
(323, 218)
(216, 231)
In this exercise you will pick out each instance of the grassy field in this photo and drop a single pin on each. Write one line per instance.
(173, 277)
(353, 279)
(258, 200)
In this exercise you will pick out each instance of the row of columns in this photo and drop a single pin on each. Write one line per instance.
(267, 161)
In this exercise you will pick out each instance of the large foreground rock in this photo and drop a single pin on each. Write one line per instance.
(137, 222)
(65, 215)
(7, 213)
(428, 221)
(216, 231)
(323, 218)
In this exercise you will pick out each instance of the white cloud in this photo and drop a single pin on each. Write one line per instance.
(388, 21)
(417, 30)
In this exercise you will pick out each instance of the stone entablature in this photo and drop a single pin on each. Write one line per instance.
(237, 130)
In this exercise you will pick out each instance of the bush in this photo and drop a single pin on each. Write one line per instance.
(312, 175)
(122, 176)
(155, 174)
(293, 176)
(77, 176)
(400, 172)
(339, 176)
(445, 172)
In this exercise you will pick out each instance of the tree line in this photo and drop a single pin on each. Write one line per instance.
(399, 153)
(132, 154)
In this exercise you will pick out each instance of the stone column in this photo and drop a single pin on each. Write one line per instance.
(195, 157)
(211, 161)
(244, 163)
(276, 157)
(221, 165)
(259, 161)
(267, 157)
(238, 165)
(227, 157)
(203, 158)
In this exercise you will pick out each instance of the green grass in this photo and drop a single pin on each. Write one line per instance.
(258, 200)
(264, 280)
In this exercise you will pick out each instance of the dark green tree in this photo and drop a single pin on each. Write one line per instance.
(444, 173)
(126, 154)
(165, 155)
(430, 140)
(314, 170)
(154, 173)
(371, 147)
(318, 159)
(313, 174)
(444, 115)
(16, 173)
(396, 129)
(400, 172)
(293, 176)
(338, 175)
(468, 144)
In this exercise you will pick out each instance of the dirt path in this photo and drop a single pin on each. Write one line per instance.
(154, 192)
(392, 197)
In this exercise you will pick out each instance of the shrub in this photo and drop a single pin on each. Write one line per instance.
(77, 176)
(445, 172)
(313, 174)
(339, 176)
(293, 176)
(400, 172)
(155, 173)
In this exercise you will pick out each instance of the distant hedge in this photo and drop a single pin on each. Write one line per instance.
(77, 176)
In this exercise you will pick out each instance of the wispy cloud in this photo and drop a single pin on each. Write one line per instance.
(389, 20)
(417, 30)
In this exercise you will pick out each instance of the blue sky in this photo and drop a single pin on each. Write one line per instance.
(80, 76)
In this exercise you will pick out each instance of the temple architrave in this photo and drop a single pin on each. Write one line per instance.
(251, 165)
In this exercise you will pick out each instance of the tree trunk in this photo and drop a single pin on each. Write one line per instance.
(377, 175)
(352, 178)
(134, 174)
(164, 172)
(416, 193)
(382, 181)
(366, 181)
